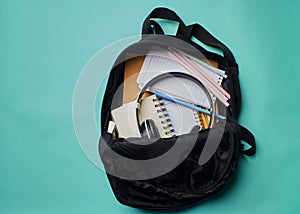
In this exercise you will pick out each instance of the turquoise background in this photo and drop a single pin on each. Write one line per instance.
(45, 44)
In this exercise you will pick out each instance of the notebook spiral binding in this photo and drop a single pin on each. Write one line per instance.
(198, 122)
(163, 115)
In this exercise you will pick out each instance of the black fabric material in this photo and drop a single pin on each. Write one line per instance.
(156, 28)
(188, 182)
(163, 13)
(248, 137)
(204, 36)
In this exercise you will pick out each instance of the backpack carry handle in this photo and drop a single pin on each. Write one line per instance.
(187, 32)
(162, 13)
(156, 28)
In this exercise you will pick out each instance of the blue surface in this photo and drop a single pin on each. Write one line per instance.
(44, 46)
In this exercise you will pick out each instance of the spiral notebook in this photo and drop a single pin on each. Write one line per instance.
(152, 108)
(183, 119)
(170, 118)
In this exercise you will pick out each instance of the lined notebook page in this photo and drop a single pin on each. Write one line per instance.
(158, 62)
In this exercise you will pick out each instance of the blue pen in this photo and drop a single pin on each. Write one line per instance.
(180, 102)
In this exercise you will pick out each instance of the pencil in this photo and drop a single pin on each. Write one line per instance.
(195, 66)
(188, 105)
(216, 93)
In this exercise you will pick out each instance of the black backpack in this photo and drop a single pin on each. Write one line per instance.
(188, 182)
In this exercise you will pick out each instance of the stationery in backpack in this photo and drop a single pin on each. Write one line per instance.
(169, 117)
(150, 109)
(157, 62)
(131, 72)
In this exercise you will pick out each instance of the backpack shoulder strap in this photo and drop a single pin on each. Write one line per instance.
(207, 38)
